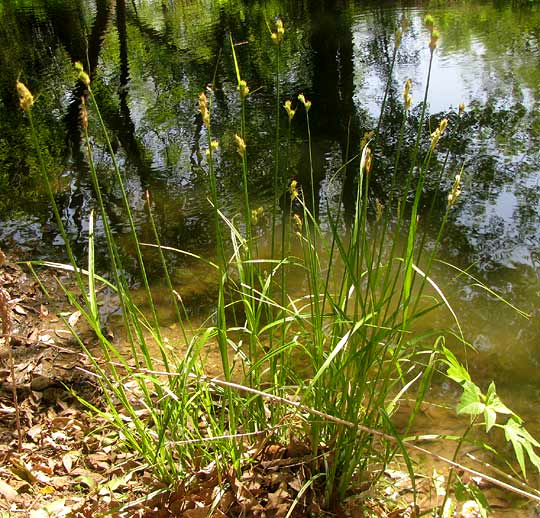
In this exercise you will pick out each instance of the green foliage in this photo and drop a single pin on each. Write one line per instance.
(475, 403)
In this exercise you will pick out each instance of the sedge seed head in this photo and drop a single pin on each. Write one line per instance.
(368, 135)
(434, 39)
(368, 160)
(461, 108)
(83, 77)
(240, 145)
(203, 109)
(243, 88)
(277, 37)
(397, 37)
(429, 22)
(293, 190)
(289, 110)
(305, 102)
(26, 99)
(407, 99)
(405, 24)
(379, 209)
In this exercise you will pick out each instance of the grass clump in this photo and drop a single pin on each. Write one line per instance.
(326, 366)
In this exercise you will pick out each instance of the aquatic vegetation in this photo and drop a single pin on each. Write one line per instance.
(326, 366)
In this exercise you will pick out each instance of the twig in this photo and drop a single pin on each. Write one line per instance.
(6, 332)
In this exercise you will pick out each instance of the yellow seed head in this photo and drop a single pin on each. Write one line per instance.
(443, 125)
(305, 102)
(289, 110)
(461, 108)
(240, 145)
(429, 22)
(243, 88)
(379, 209)
(277, 37)
(83, 76)
(214, 145)
(407, 94)
(434, 39)
(397, 37)
(297, 221)
(293, 189)
(456, 190)
(368, 160)
(26, 99)
(405, 24)
(203, 109)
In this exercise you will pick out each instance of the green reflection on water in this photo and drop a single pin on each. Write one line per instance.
(149, 61)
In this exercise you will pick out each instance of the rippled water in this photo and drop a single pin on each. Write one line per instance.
(151, 59)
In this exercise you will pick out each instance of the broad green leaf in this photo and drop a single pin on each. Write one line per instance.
(493, 401)
(471, 400)
(512, 434)
(490, 416)
(455, 371)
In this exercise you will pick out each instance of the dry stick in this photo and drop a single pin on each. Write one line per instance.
(337, 420)
(6, 333)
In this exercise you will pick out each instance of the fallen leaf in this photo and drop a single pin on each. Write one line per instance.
(19, 309)
(34, 432)
(68, 459)
(7, 491)
(198, 512)
(21, 471)
(46, 339)
(63, 333)
(74, 318)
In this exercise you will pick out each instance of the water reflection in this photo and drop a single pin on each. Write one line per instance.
(149, 61)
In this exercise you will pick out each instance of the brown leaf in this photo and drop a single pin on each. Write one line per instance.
(68, 459)
(63, 333)
(34, 432)
(7, 491)
(277, 498)
(198, 512)
(74, 318)
(21, 471)
(19, 310)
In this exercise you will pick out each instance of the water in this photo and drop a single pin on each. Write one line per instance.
(150, 60)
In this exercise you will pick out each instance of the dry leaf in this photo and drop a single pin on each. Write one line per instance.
(24, 473)
(7, 491)
(74, 318)
(198, 512)
(19, 310)
(68, 459)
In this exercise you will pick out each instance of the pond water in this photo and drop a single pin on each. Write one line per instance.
(149, 60)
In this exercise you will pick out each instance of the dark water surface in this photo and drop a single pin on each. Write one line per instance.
(150, 60)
